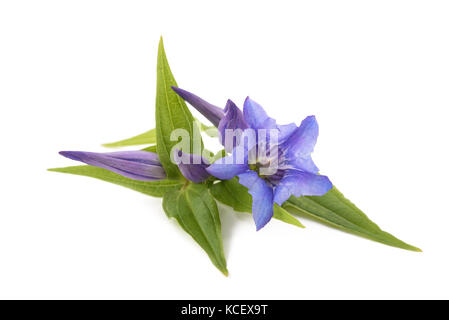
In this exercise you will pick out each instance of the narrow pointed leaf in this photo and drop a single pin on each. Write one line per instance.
(171, 114)
(196, 212)
(148, 137)
(338, 211)
(236, 196)
(151, 188)
(152, 148)
(211, 131)
(281, 214)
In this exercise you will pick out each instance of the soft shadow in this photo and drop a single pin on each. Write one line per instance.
(229, 219)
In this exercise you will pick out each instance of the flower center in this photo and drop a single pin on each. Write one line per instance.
(267, 164)
(268, 171)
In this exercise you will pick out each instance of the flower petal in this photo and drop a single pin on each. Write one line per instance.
(262, 195)
(256, 117)
(285, 131)
(234, 123)
(193, 167)
(302, 141)
(135, 165)
(227, 168)
(299, 183)
(237, 162)
(211, 112)
(304, 164)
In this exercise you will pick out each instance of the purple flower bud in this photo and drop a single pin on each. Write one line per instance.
(232, 121)
(193, 167)
(137, 165)
(211, 112)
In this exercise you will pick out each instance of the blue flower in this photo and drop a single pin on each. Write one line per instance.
(288, 151)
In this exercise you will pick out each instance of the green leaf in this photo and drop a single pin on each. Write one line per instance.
(152, 148)
(285, 216)
(233, 194)
(151, 188)
(148, 137)
(171, 114)
(338, 211)
(196, 212)
(211, 131)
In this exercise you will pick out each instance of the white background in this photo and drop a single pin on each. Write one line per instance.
(76, 74)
